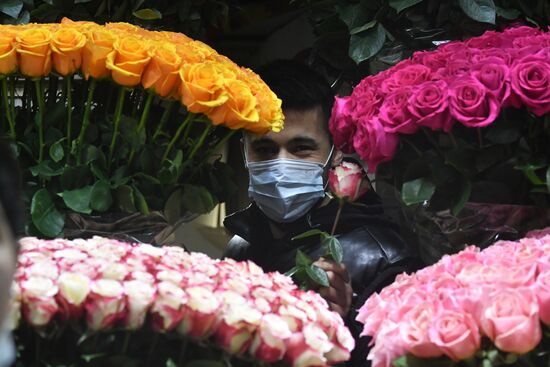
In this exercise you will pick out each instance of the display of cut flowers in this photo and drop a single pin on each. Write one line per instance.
(118, 119)
(101, 302)
(475, 308)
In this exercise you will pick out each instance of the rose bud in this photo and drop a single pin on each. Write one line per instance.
(105, 304)
(73, 290)
(348, 181)
(166, 310)
(308, 348)
(139, 298)
(269, 342)
(237, 328)
(200, 313)
(39, 304)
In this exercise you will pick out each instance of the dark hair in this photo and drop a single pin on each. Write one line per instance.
(298, 86)
(10, 188)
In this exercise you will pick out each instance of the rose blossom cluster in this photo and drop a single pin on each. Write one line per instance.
(501, 293)
(465, 82)
(235, 304)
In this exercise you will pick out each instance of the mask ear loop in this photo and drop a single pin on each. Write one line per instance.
(325, 174)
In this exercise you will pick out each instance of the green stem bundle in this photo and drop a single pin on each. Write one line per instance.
(8, 107)
(69, 87)
(164, 118)
(117, 118)
(184, 125)
(85, 119)
(40, 117)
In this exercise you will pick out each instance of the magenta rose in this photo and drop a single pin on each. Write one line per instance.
(510, 34)
(531, 84)
(494, 74)
(434, 60)
(489, 39)
(490, 54)
(365, 99)
(373, 144)
(394, 114)
(342, 125)
(455, 69)
(406, 77)
(428, 103)
(472, 104)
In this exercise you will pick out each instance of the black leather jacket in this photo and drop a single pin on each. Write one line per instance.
(374, 252)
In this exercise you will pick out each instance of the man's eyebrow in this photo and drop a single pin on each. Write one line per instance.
(262, 141)
(304, 140)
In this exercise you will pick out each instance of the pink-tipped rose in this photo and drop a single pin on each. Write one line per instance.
(200, 313)
(105, 304)
(38, 295)
(73, 290)
(269, 342)
(511, 320)
(237, 328)
(139, 298)
(167, 309)
(308, 348)
(347, 181)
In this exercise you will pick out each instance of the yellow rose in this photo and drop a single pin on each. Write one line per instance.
(176, 38)
(34, 51)
(194, 52)
(82, 25)
(128, 60)
(240, 109)
(202, 85)
(121, 26)
(99, 44)
(162, 73)
(67, 45)
(8, 54)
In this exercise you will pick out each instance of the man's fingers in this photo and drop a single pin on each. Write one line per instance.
(338, 268)
(337, 308)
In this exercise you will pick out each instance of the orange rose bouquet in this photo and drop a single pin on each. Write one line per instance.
(116, 119)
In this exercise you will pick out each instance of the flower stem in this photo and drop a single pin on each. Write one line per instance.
(9, 115)
(337, 219)
(69, 92)
(117, 117)
(216, 147)
(85, 118)
(184, 125)
(126, 343)
(40, 118)
(164, 118)
(183, 349)
(152, 349)
(200, 142)
(142, 122)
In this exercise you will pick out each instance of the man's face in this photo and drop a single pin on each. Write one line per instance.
(303, 138)
(7, 263)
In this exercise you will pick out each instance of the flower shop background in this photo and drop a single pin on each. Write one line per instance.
(345, 40)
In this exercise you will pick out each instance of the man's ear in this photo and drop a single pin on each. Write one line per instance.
(337, 157)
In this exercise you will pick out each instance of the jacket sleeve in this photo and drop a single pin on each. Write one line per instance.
(236, 249)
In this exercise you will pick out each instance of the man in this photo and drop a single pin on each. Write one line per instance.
(10, 226)
(288, 176)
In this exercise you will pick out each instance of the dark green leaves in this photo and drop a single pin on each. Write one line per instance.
(364, 45)
(333, 248)
(147, 14)
(100, 196)
(11, 8)
(417, 191)
(45, 217)
(56, 151)
(483, 11)
(198, 199)
(302, 259)
(311, 232)
(78, 200)
(318, 275)
(400, 5)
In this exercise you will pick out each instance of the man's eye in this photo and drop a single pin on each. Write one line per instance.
(303, 148)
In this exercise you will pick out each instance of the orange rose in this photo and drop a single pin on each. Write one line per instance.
(94, 54)
(34, 51)
(128, 60)
(121, 26)
(8, 54)
(162, 73)
(67, 45)
(176, 38)
(240, 109)
(82, 25)
(194, 52)
(202, 84)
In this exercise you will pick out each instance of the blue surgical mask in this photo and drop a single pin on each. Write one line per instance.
(286, 189)
(7, 348)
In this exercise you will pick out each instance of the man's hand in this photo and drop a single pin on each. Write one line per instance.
(339, 294)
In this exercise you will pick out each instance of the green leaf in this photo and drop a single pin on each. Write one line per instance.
(509, 14)
(204, 363)
(78, 200)
(119, 177)
(148, 14)
(334, 248)
(400, 5)
(483, 11)
(56, 150)
(171, 363)
(548, 179)
(172, 207)
(140, 201)
(417, 191)
(91, 357)
(318, 275)
(302, 259)
(197, 199)
(293, 271)
(364, 27)
(101, 198)
(529, 171)
(311, 232)
(46, 169)
(364, 45)
(11, 8)
(511, 358)
(74, 177)
(125, 199)
(355, 15)
(45, 217)
(464, 197)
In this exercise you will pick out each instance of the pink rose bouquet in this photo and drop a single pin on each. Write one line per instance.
(478, 307)
(99, 299)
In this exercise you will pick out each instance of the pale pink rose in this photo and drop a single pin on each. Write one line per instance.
(511, 320)
(105, 304)
(237, 328)
(388, 345)
(139, 298)
(429, 104)
(39, 305)
(348, 181)
(454, 264)
(308, 348)
(269, 343)
(538, 233)
(200, 313)
(372, 314)
(166, 311)
(73, 291)
(542, 291)
(455, 333)
(414, 330)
